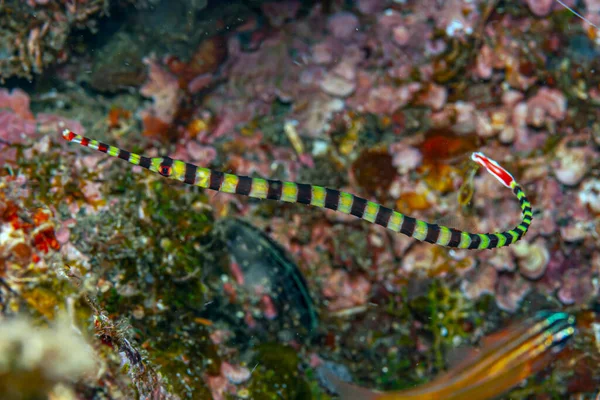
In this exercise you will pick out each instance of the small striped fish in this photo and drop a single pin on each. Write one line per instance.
(504, 360)
(336, 200)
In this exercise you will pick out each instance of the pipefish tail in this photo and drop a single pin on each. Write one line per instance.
(336, 200)
(504, 360)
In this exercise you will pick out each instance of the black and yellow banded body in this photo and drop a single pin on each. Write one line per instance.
(332, 199)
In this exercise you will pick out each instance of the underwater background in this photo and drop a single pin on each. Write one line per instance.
(118, 283)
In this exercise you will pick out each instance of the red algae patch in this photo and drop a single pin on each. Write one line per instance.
(445, 145)
(374, 170)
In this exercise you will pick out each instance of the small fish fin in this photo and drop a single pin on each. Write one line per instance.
(502, 336)
(463, 356)
(517, 373)
(347, 391)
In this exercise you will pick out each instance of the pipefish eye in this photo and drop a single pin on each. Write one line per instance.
(165, 170)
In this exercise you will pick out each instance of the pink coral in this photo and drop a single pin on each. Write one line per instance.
(18, 125)
(52, 124)
(571, 164)
(532, 258)
(483, 282)
(502, 260)
(191, 150)
(235, 374)
(327, 51)
(484, 61)
(370, 6)
(345, 291)
(435, 96)
(401, 35)
(199, 83)
(576, 288)
(15, 129)
(336, 85)
(16, 119)
(218, 386)
(547, 104)
(405, 158)
(163, 88)
(540, 8)
(343, 25)
(592, 8)
(457, 17)
(386, 99)
(17, 101)
(589, 195)
(510, 292)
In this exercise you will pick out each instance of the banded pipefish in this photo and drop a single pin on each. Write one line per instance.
(336, 200)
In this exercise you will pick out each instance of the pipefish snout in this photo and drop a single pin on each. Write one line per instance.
(332, 199)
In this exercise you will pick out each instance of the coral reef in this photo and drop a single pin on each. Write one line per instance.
(170, 292)
(35, 34)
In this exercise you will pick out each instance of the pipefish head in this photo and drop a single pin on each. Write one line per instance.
(173, 169)
(162, 165)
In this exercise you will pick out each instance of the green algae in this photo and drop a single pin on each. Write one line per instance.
(444, 311)
(549, 386)
(413, 335)
(276, 375)
(147, 268)
(162, 252)
(156, 265)
(183, 350)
